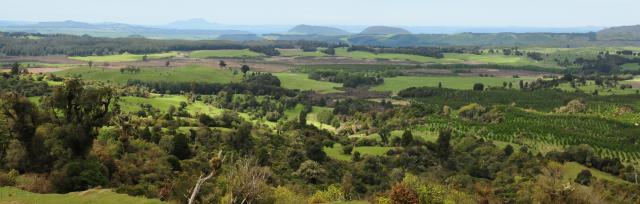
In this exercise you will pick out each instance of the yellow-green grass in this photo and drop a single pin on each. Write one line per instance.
(192, 73)
(294, 113)
(396, 84)
(591, 87)
(125, 57)
(132, 104)
(302, 82)
(225, 54)
(342, 52)
(335, 152)
(572, 169)
(299, 53)
(427, 136)
(11, 195)
(496, 59)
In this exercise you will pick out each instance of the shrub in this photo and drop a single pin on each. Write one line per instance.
(574, 106)
(431, 194)
(283, 195)
(584, 177)
(402, 194)
(333, 193)
(82, 175)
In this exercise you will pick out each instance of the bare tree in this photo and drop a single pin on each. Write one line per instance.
(215, 164)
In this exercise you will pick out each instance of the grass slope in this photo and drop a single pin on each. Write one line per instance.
(192, 73)
(11, 195)
(302, 82)
(335, 152)
(126, 57)
(572, 169)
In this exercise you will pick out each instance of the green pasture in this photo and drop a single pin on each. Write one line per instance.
(203, 54)
(192, 73)
(302, 82)
(335, 152)
(299, 53)
(397, 84)
(125, 57)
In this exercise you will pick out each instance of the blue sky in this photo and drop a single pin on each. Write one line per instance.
(523, 13)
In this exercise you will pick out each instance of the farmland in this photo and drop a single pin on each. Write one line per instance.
(193, 73)
(396, 84)
(301, 82)
(125, 57)
(446, 124)
(224, 54)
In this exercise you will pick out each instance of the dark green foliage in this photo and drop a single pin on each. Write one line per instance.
(181, 147)
(81, 175)
(584, 177)
(263, 79)
(314, 151)
(444, 146)
(242, 140)
(407, 138)
(478, 87)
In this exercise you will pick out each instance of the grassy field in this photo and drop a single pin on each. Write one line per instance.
(225, 54)
(126, 57)
(342, 52)
(336, 151)
(302, 82)
(591, 87)
(292, 114)
(193, 73)
(299, 53)
(631, 67)
(572, 169)
(132, 104)
(11, 195)
(396, 84)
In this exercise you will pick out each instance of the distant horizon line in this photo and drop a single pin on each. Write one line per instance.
(314, 24)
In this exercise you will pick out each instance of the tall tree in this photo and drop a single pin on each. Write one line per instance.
(222, 64)
(444, 146)
(15, 68)
(245, 68)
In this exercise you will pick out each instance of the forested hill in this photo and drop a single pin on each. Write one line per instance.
(622, 33)
(317, 30)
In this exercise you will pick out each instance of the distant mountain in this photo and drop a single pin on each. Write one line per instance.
(384, 30)
(192, 24)
(317, 30)
(116, 30)
(623, 33)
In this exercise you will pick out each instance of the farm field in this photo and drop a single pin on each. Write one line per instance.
(299, 53)
(302, 82)
(399, 83)
(192, 73)
(126, 57)
(11, 195)
(203, 54)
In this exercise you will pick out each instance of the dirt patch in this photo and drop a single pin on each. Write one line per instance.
(45, 70)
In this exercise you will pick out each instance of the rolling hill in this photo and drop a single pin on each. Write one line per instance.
(623, 33)
(317, 30)
(384, 30)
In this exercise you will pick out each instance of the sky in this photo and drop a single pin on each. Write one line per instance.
(474, 13)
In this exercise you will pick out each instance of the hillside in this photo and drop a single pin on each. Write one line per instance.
(624, 33)
(384, 30)
(317, 30)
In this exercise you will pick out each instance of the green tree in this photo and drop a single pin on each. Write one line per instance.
(181, 147)
(384, 133)
(478, 87)
(222, 64)
(15, 68)
(584, 177)
(407, 138)
(444, 146)
(245, 68)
